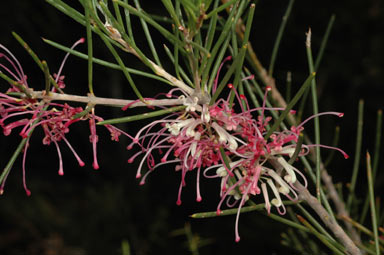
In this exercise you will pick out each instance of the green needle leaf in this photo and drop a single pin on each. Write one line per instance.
(324, 42)
(90, 47)
(372, 203)
(289, 107)
(105, 63)
(279, 36)
(219, 9)
(297, 149)
(322, 238)
(356, 163)
(36, 59)
(11, 161)
(232, 211)
(142, 116)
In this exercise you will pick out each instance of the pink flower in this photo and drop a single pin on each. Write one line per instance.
(55, 119)
(194, 139)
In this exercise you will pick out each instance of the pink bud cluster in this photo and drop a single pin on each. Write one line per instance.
(54, 119)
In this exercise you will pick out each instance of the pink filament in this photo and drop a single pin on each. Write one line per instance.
(61, 171)
(27, 191)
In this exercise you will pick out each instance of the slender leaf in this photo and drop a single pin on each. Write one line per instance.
(356, 163)
(289, 107)
(142, 116)
(279, 36)
(372, 203)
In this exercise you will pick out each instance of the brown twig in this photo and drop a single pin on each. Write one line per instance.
(340, 206)
(104, 101)
(327, 219)
(280, 101)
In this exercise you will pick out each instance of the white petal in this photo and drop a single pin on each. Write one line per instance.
(277, 200)
(291, 177)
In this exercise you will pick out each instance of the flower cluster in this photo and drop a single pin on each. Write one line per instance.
(54, 119)
(224, 140)
(233, 144)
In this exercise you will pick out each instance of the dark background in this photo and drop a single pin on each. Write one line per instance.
(91, 212)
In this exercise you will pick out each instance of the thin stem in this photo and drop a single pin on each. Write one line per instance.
(372, 203)
(66, 9)
(171, 10)
(46, 76)
(128, 23)
(339, 233)
(125, 248)
(36, 59)
(318, 235)
(311, 173)
(105, 101)
(223, 38)
(120, 62)
(376, 158)
(356, 163)
(238, 61)
(315, 111)
(339, 204)
(11, 161)
(89, 47)
(289, 87)
(289, 107)
(179, 68)
(279, 36)
(18, 85)
(105, 63)
(19, 148)
(142, 116)
(148, 35)
(324, 42)
(219, 9)
(297, 149)
(315, 223)
(361, 227)
(226, 212)
(141, 14)
(334, 144)
(244, 45)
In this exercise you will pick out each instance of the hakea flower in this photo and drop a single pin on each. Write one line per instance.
(230, 141)
(259, 165)
(55, 119)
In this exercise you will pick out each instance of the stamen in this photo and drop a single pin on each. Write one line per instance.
(291, 177)
(198, 196)
(277, 200)
(81, 40)
(61, 171)
(27, 191)
(339, 114)
(93, 139)
(81, 163)
(266, 198)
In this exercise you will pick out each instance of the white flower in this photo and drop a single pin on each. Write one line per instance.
(174, 128)
(191, 104)
(289, 150)
(277, 200)
(291, 176)
(225, 137)
(194, 145)
(284, 189)
(205, 116)
(222, 171)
